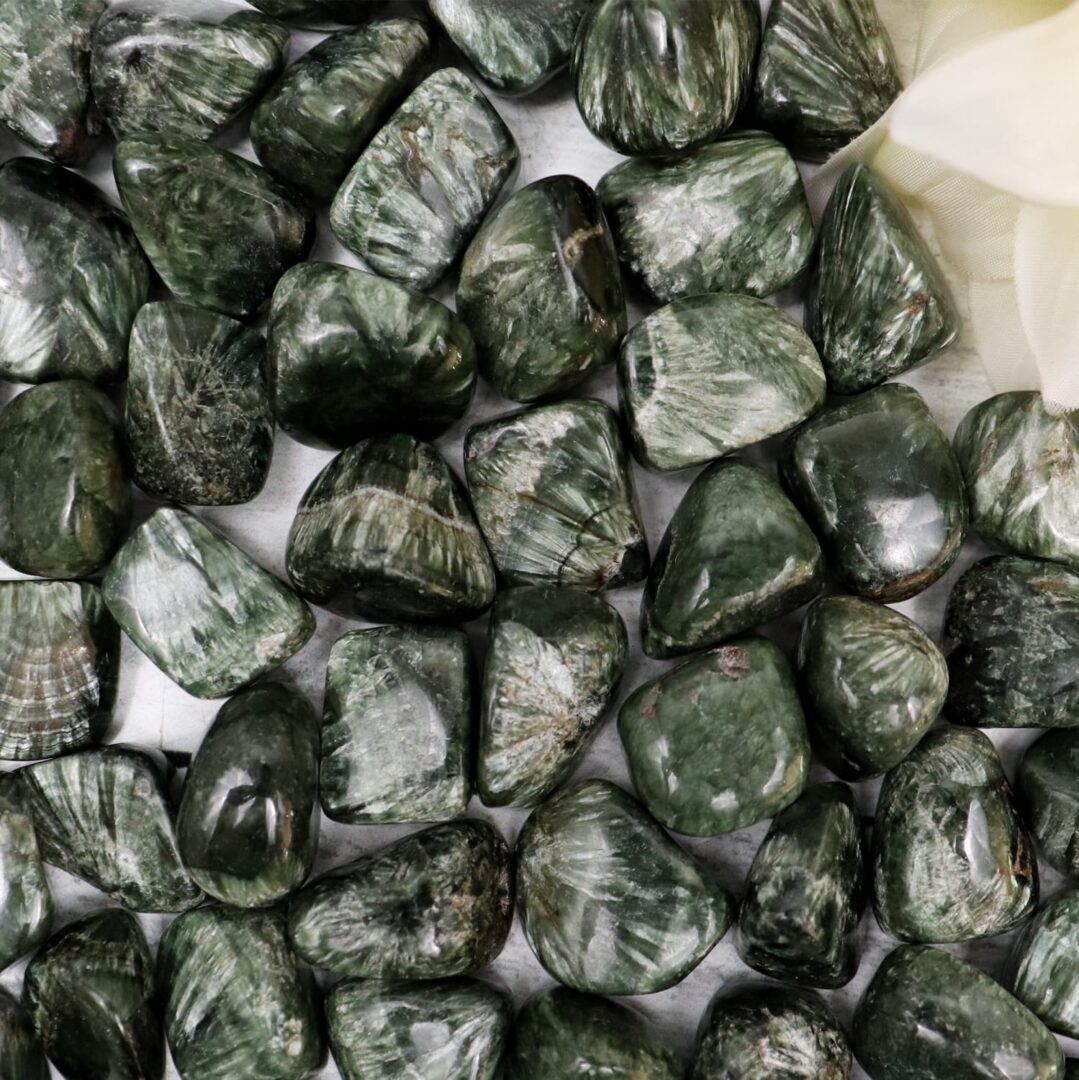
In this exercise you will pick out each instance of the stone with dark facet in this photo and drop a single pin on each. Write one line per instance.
(26, 905)
(1047, 789)
(1042, 972)
(317, 14)
(21, 1056)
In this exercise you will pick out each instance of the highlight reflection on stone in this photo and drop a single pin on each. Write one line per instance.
(26, 904)
(1047, 789)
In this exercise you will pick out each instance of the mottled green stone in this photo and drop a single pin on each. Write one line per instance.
(952, 860)
(434, 904)
(878, 482)
(1042, 972)
(26, 905)
(355, 355)
(21, 1056)
(735, 554)
(554, 661)
(420, 189)
(397, 736)
(541, 290)
(201, 609)
(317, 13)
(872, 681)
(609, 903)
(1047, 789)
(731, 217)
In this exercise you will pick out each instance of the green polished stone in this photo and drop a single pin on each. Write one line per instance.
(878, 482)
(219, 230)
(952, 860)
(927, 1015)
(553, 495)
(872, 681)
(554, 661)
(201, 609)
(718, 742)
(72, 276)
(434, 904)
(608, 902)
(420, 189)
(238, 1005)
(731, 217)
(397, 736)
(389, 521)
(93, 999)
(1042, 972)
(21, 1056)
(736, 554)
(317, 14)
(311, 125)
(26, 905)
(1047, 789)
(355, 355)
(541, 290)
(878, 303)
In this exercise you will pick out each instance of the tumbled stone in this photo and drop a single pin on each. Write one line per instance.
(541, 290)
(418, 192)
(355, 355)
(952, 860)
(1047, 789)
(316, 14)
(554, 661)
(731, 218)
(735, 554)
(590, 857)
(21, 1056)
(26, 905)
(1041, 970)
(397, 738)
(201, 609)
(879, 484)
(388, 521)
(873, 684)
(433, 904)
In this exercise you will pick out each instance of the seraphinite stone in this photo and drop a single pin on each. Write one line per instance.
(552, 492)
(554, 660)
(434, 904)
(72, 275)
(541, 290)
(219, 230)
(389, 521)
(418, 192)
(238, 1005)
(397, 740)
(872, 681)
(731, 217)
(952, 860)
(355, 355)
(317, 13)
(21, 1056)
(590, 857)
(1042, 972)
(1047, 789)
(92, 996)
(26, 905)
(877, 480)
(878, 302)
(735, 554)
(201, 609)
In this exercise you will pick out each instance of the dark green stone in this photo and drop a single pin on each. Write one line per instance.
(608, 901)
(92, 996)
(26, 906)
(355, 355)
(317, 13)
(552, 491)
(420, 189)
(952, 860)
(1042, 972)
(434, 904)
(731, 218)
(554, 661)
(397, 736)
(388, 520)
(735, 554)
(872, 681)
(541, 290)
(878, 303)
(1047, 789)
(1071, 1069)
(878, 482)
(21, 1056)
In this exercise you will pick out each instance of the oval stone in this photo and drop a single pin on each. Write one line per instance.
(1041, 970)
(21, 1056)
(1047, 788)
(26, 904)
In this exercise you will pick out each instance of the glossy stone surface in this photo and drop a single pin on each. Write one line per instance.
(418, 192)
(541, 290)
(762, 562)
(201, 609)
(952, 860)
(592, 856)
(21, 1056)
(1047, 789)
(872, 681)
(355, 355)
(26, 905)
(316, 13)
(554, 661)
(433, 904)
(408, 549)
(397, 736)
(730, 218)
(879, 484)
(1041, 970)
